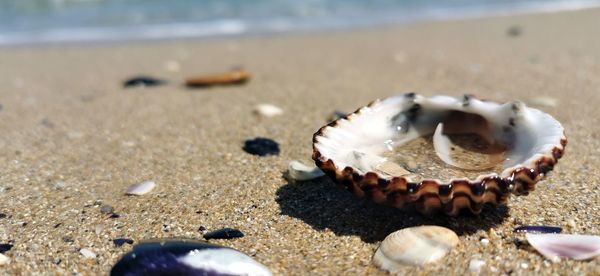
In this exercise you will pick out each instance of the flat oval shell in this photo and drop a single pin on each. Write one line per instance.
(578, 247)
(298, 171)
(414, 246)
(141, 188)
(225, 78)
(268, 110)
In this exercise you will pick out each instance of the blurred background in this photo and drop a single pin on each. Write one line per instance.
(43, 21)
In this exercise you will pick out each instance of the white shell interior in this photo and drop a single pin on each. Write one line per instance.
(360, 140)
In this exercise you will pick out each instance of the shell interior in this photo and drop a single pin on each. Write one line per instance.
(394, 137)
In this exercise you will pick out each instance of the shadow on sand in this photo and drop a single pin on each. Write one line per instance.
(323, 205)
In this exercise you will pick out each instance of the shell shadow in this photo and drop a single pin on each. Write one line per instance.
(322, 205)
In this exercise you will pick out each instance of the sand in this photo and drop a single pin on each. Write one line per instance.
(73, 139)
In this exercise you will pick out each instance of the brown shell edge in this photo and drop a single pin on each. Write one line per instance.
(430, 196)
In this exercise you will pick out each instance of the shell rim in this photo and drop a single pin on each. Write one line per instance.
(521, 179)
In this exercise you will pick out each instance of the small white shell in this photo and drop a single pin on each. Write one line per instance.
(578, 247)
(475, 265)
(140, 188)
(87, 253)
(414, 246)
(299, 171)
(268, 110)
(4, 260)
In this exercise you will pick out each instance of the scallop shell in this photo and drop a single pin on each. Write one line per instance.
(351, 149)
(414, 246)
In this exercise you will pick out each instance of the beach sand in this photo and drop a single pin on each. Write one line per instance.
(73, 139)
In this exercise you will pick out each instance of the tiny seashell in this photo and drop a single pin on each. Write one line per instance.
(121, 241)
(268, 110)
(236, 76)
(539, 229)
(87, 253)
(224, 233)
(143, 81)
(261, 146)
(544, 101)
(475, 265)
(414, 246)
(4, 260)
(141, 188)
(298, 171)
(186, 257)
(578, 247)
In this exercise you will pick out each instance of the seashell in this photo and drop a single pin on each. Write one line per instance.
(186, 257)
(140, 188)
(4, 260)
(268, 110)
(224, 233)
(414, 246)
(261, 146)
(578, 247)
(236, 76)
(539, 229)
(475, 265)
(87, 253)
(300, 172)
(5, 247)
(499, 149)
(143, 81)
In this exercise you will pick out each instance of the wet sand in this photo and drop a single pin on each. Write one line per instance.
(74, 139)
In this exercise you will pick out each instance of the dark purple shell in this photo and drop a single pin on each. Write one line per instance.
(541, 229)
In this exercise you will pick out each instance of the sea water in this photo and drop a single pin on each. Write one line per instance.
(51, 21)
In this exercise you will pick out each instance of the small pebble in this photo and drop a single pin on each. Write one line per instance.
(201, 228)
(514, 31)
(106, 209)
(121, 241)
(87, 253)
(140, 188)
(225, 233)
(143, 81)
(2, 215)
(524, 266)
(114, 215)
(571, 223)
(261, 146)
(475, 266)
(298, 171)
(485, 242)
(267, 110)
(172, 66)
(4, 260)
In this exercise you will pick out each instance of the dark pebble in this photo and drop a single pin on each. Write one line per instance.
(225, 233)
(114, 215)
(5, 247)
(201, 228)
(121, 241)
(541, 229)
(336, 115)
(514, 31)
(106, 209)
(68, 239)
(261, 146)
(143, 81)
(2, 215)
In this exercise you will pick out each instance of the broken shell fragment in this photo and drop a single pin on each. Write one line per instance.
(267, 110)
(414, 246)
(461, 152)
(140, 188)
(300, 172)
(578, 247)
(186, 257)
(236, 76)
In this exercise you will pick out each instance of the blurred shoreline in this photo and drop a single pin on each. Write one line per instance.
(235, 27)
